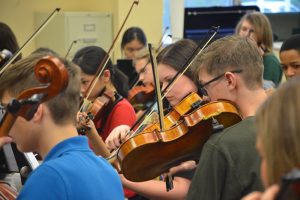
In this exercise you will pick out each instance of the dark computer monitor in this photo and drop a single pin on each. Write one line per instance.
(198, 21)
(127, 67)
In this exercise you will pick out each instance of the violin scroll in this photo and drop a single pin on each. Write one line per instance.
(54, 77)
(53, 74)
(141, 95)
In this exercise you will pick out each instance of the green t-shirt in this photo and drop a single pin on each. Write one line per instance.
(229, 165)
(272, 68)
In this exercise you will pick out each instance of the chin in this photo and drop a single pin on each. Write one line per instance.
(24, 149)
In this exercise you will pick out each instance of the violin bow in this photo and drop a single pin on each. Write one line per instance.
(190, 61)
(182, 70)
(69, 50)
(157, 87)
(169, 179)
(107, 56)
(42, 26)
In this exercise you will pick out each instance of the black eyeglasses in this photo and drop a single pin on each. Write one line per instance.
(203, 91)
(144, 68)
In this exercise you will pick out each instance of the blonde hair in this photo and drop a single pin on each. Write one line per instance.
(232, 53)
(262, 28)
(278, 128)
(20, 76)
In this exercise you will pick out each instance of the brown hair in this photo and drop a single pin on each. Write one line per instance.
(232, 53)
(262, 28)
(20, 76)
(278, 128)
(176, 56)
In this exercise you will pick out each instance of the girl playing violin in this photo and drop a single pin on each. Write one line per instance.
(120, 111)
(278, 143)
(144, 70)
(169, 60)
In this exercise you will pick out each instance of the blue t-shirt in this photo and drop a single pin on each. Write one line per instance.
(72, 171)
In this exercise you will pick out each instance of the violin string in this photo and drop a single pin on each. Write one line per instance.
(188, 66)
(171, 84)
(165, 92)
(51, 16)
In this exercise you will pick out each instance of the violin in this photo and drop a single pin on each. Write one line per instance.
(140, 96)
(159, 151)
(96, 108)
(50, 72)
(190, 102)
(7, 192)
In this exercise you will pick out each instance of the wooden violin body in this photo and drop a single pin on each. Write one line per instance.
(98, 106)
(148, 155)
(7, 192)
(140, 96)
(188, 103)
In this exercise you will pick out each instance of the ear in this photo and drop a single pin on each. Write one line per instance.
(38, 115)
(106, 76)
(231, 79)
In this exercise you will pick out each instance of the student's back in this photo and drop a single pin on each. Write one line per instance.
(74, 172)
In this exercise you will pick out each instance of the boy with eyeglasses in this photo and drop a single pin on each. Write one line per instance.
(230, 68)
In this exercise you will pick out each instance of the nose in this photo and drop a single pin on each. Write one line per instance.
(163, 86)
(289, 72)
(141, 77)
(82, 89)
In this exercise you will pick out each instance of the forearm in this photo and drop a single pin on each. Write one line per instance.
(155, 189)
(97, 143)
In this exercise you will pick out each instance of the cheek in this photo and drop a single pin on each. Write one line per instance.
(243, 33)
(214, 93)
(182, 88)
(17, 133)
(96, 90)
(148, 76)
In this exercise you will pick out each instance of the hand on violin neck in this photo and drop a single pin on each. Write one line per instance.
(84, 122)
(5, 140)
(205, 99)
(117, 136)
(184, 166)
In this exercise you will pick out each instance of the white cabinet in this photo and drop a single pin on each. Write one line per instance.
(87, 28)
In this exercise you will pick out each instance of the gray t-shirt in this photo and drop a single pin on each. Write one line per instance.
(229, 165)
